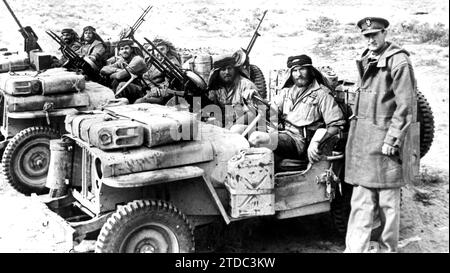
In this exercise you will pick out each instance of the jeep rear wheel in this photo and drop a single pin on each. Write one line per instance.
(426, 119)
(26, 159)
(258, 79)
(146, 226)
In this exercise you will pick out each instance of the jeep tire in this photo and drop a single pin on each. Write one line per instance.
(26, 159)
(145, 226)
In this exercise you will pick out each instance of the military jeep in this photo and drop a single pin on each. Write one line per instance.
(34, 102)
(142, 177)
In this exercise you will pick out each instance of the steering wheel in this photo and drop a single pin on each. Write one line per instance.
(252, 105)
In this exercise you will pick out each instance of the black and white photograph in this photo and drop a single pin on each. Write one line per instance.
(224, 127)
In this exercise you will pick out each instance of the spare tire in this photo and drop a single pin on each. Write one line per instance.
(426, 119)
(257, 77)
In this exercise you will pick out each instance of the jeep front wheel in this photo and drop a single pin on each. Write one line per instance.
(26, 159)
(144, 226)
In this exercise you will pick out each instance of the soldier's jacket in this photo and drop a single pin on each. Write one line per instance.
(95, 49)
(136, 66)
(384, 109)
(312, 109)
(233, 97)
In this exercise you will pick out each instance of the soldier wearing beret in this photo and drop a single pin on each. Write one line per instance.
(129, 61)
(384, 110)
(92, 46)
(306, 101)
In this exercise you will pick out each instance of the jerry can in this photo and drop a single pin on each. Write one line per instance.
(250, 183)
(20, 84)
(14, 62)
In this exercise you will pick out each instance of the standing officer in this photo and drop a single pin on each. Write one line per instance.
(385, 108)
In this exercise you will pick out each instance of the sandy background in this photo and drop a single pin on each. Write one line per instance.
(325, 30)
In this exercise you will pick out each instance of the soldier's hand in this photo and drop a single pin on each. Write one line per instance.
(258, 138)
(249, 93)
(113, 76)
(314, 152)
(389, 150)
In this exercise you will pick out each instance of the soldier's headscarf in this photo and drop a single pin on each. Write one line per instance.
(75, 36)
(171, 51)
(220, 62)
(303, 61)
(96, 36)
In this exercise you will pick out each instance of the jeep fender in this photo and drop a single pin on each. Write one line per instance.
(190, 190)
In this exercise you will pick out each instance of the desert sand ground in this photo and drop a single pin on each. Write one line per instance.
(326, 31)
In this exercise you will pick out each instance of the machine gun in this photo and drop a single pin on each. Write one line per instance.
(132, 30)
(27, 32)
(253, 40)
(186, 82)
(74, 61)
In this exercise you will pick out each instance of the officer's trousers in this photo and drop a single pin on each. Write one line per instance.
(364, 205)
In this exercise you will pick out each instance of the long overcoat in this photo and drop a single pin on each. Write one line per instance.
(385, 109)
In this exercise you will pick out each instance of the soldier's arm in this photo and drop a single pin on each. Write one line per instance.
(137, 66)
(403, 85)
(332, 115)
(112, 68)
(120, 74)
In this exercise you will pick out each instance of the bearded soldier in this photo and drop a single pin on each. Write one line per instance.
(129, 61)
(306, 101)
(228, 87)
(92, 46)
(70, 37)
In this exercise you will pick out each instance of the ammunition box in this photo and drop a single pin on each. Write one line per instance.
(40, 60)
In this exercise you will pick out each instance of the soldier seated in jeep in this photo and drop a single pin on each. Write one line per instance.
(307, 104)
(156, 81)
(71, 38)
(118, 73)
(228, 87)
(92, 46)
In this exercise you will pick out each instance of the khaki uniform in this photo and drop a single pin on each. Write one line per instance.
(307, 109)
(157, 83)
(136, 66)
(232, 97)
(95, 49)
(383, 113)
